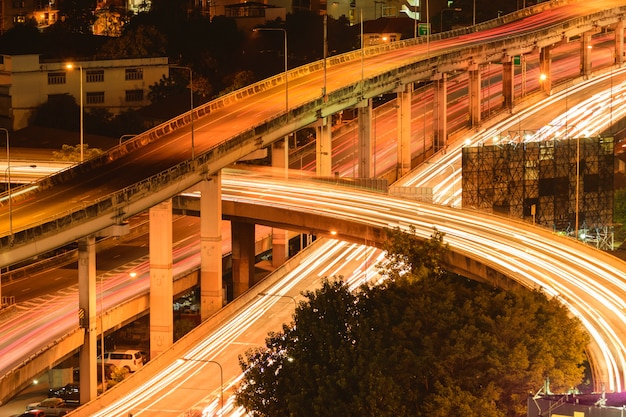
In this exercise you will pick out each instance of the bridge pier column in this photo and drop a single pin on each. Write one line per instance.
(323, 147)
(508, 85)
(243, 256)
(545, 69)
(280, 248)
(440, 119)
(585, 54)
(404, 130)
(87, 315)
(474, 96)
(619, 43)
(161, 279)
(365, 118)
(211, 286)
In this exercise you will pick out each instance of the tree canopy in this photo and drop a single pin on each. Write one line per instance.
(422, 343)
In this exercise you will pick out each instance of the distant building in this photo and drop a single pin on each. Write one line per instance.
(117, 85)
(19, 11)
(387, 29)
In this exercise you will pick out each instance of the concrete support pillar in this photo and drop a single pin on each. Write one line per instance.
(474, 96)
(619, 43)
(404, 130)
(211, 286)
(440, 118)
(161, 279)
(243, 256)
(87, 317)
(585, 54)
(280, 155)
(365, 118)
(508, 85)
(323, 147)
(545, 69)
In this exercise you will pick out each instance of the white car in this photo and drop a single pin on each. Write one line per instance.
(132, 360)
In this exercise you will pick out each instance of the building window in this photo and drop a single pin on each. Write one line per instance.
(95, 76)
(18, 4)
(134, 74)
(95, 97)
(134, 95)
(56, 78)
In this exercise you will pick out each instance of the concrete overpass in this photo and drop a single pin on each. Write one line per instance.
(118, 201)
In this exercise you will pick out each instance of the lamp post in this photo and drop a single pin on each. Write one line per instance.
(125, 137)
(104, 378)
(295, 303)
(193, 155)
(474, 14)
(8, 153)
(286, 68)
(221, 378)
(71, 66)
(7, 177)
(453, 9)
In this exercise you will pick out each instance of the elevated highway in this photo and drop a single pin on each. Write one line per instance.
(155, 166)
(585, 279)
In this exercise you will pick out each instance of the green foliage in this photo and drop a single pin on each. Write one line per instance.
(139, 41)
(60, 112)
(78, 16)
(619, 214)
(409, 254)
(71, 153)
(428, 345)
(117, 376)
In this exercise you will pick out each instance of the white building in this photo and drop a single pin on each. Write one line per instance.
(26, 81)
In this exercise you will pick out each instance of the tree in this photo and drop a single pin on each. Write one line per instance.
(422, 343)
(140, 41)
(77, 16)
(620, 214)
(69, 153)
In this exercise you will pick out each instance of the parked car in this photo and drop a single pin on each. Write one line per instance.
(33, 413)
(69, 393)
(132, 360)
(51, 407)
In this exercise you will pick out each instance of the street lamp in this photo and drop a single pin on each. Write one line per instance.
(280, 295)
(221, 378)
(71, 66)
(8, 154)
(191, 105)
(125, 137)
(7, 178)
(453, 9)
(286, 81)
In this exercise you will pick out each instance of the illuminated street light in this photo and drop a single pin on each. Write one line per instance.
(71, 66)
(7, 178)
(193, 156)
(221, 378)
(286, 68)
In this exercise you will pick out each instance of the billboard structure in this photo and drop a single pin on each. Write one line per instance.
(565, 185)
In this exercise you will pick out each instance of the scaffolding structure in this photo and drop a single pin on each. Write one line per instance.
(538, 182)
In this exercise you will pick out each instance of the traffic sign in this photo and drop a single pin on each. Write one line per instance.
(423, 29)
